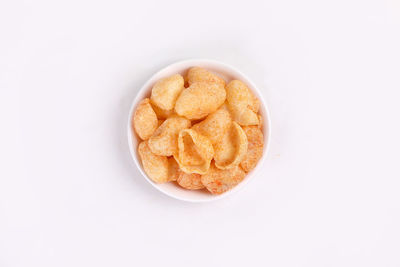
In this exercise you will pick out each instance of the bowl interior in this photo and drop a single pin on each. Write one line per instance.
(228, 73)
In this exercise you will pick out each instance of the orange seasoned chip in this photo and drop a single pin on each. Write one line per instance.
(242, 103)
(231, 148)
(218, 181)
(156, 167)
(255, 147)
(215, 125)
(145, 119)
(166, 91)
(197, 74)
(161, 113)
(190, 180)
(195, 152)
(173, 169)
(164, 141)
(199, 100)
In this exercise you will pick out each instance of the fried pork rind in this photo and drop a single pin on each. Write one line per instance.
(254, 149)
(161, 113)
(197, 74)
(173, 169)
(166, 91)
(231, 148)
(145, 119)
(218, 181)
(215, 125)
(163, 142)
(242, 103)
(156, 167)
(199, 100)
(190, 180)
(195, 152)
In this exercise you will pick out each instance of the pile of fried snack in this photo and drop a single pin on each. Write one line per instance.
(199, 131)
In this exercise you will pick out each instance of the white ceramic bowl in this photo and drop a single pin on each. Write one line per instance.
(228, 73)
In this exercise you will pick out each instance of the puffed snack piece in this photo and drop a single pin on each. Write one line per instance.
(173, 169)
(145, 119)
(254, 149)
(156, 167)
(197, 74)
(242, 103)
(164, 141)
(215, 125)
(195, 152)
(190, 181)
(199, 100)
(218, 181)
(162, 114)
(232, 148)
(165, 92)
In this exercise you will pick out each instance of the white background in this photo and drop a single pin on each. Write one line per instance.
(70, 194)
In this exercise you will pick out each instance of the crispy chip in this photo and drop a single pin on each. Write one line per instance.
(173, 169)
(195, 152)
(242, 103)
(161, 113)
(260, 121)
(156, 167)
(218, 181)
(166, 91)
(254, 103)
(254, 149)
(163, 142)
(199, 100)
(215, 125)
(197, 74)
(145, 120)
(232, 147)
(190, 180)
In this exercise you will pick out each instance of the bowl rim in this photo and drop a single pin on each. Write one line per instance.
(191, 63)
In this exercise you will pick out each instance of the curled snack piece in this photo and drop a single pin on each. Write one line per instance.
(242, 103)
(173, 169)
(190, 180)
(166, 91)
(232, 147)
(215, 125)
(254, 149)
(218, 181)
(145, 119)
(156, 167)
(161, 113)
(197, 74)
(195, 152)
(199, 100)
(163, 142)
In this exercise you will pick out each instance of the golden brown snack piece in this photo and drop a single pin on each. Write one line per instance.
(232, 147)
(195, 152)
(156, 167)
(254, 103)
(161, 113)
(164, 141)
(218, 181)
(215, 125)
(166, 91)
(242, 103)
(197, 74)
(260, 121)
(255, 147)
(173, 169)
(190, 181)
(199, 100)
(145, 119)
